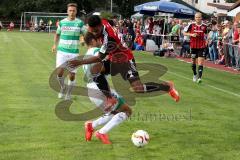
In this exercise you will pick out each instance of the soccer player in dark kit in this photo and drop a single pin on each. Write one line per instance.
(114, 55)
(197, 32)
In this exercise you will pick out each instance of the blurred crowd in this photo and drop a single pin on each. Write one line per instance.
(222, 38)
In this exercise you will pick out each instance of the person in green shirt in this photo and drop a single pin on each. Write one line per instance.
(66, 43)
(175, 29)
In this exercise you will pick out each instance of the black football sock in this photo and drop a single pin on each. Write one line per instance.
(151, 87)
(194, 69)
(200, 71)
(102, 84)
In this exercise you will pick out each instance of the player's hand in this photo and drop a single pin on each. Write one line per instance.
(194, 35)
(73, 63)
(110, 102)
(54, 49)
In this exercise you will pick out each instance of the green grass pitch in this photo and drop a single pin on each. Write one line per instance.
(207, 126)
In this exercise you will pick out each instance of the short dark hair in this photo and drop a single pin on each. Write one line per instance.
(214, 22)
(89, 37)
(94, 21)
(72, 5)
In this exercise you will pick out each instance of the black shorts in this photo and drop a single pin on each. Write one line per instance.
(195, 53)
(127, 70)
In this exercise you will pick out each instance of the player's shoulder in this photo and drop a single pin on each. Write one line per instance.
(193, 23)
(204, 24)
(188, 27)
(79, 21)
(63, 20)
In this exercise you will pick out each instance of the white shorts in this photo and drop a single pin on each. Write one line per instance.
(62, 58)
(98, 98)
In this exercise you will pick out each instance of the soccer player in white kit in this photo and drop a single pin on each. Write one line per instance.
(115, 114)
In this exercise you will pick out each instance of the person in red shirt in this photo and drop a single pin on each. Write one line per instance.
(11, 26)
(197, 32)
(139, 44)
(118, 59)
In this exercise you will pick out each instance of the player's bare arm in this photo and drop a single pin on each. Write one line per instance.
(56, 40)
(90, 60)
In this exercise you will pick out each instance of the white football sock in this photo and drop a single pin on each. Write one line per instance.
(61, 81)
(116, 120)
(102, 120)
(70, 86)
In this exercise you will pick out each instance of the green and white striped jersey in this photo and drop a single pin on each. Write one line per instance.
(69, 32)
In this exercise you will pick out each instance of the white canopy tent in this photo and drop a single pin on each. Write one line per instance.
(137, 15)
(234, 12)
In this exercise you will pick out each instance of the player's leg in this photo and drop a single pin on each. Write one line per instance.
(100, 70)
(130, 73)
(60, 71)
(90, 126)
(121, 115)
(98, 98)
(201, 59)
(167, 87)
(71, 84)
(60, 79)
(194, 64)
(71, 76)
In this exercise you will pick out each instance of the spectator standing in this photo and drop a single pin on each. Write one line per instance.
(175, 29)
(151, 24)
(230, 45)
(131, 30)
(226, 42)
(212, 42)
(236, 44)
(11, 26)
(186, 42)
(139, 43)
(156, 28)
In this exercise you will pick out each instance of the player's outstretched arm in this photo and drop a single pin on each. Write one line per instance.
(90, 60)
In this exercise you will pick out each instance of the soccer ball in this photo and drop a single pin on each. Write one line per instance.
(140, 138)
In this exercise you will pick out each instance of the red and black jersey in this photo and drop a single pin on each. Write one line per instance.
(199, 41)
(112, 45)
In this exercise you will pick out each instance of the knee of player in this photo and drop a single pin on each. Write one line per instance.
(72, 77)
(60, 72)
(128, 111)
(138, 89)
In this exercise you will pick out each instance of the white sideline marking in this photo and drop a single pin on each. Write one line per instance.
(181, 60)
(216, 88)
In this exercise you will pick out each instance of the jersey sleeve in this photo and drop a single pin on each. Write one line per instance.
(103, 49)
(83, 28)
(188, 28)
(59, 28)
(96, 51)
